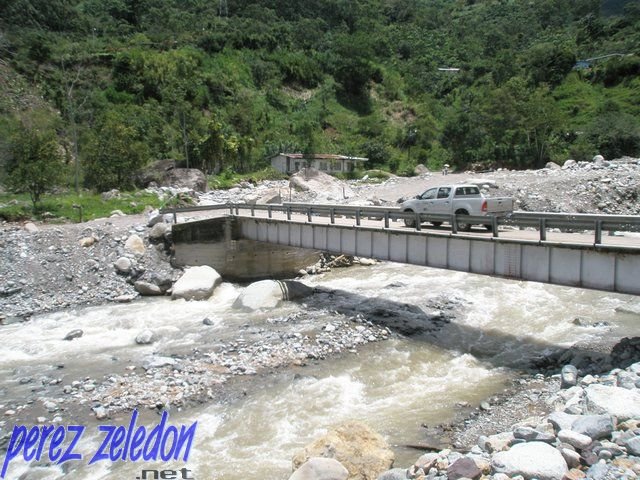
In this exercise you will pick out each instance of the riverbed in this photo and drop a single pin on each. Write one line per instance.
(470, 336)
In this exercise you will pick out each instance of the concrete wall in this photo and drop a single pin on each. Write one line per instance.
(215, 242)
(608, 269)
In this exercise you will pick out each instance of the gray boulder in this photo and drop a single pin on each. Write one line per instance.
(147, 288)
(197, 283)
(190, 178)
(575, 439)
(619, 402)
(420, 170)
(633, 446)
(569, 376)
(594, 426)
(158, 231)
(394, 474)
(569, 164)
(529, 434)
(552, 166)
(464, 467)
(270, 293)
(145, 337)
(123, 265)
(531, 460)
(562, 420)
(319, 468)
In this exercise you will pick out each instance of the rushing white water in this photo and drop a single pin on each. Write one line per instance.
(394, 386)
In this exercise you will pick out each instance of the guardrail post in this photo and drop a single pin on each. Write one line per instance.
(175, 214)
(253, 211)
(358, 217)
(269, 214)
(494, 226)
(454, 223)
(418, 222)
(231, 208)
(386, 219)
(309, 214)
(332, 215)
(237, 210)
(288, 213)
(543, 229)
(598, 239)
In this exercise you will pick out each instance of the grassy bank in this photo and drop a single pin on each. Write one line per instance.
(63, 207)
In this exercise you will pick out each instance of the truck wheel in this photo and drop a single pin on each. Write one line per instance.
(436, 224)
(489, 227)
(409, 222)
(463, 226)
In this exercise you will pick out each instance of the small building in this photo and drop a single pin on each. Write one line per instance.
(328, 163)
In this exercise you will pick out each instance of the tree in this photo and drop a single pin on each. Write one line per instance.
(115, 152)
(35, 164)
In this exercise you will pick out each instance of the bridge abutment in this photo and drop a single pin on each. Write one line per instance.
(216, 242)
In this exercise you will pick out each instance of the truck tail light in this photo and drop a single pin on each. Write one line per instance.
(484, 205)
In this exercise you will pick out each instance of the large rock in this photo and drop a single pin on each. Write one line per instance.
(531, 460)
(569, 376)
(190, 178)
(319, 468)
(158, 231)
(197, 283)
(420, 170)
(323, 185)
(594, 426)
(575, 439)
(164, 173)
(562, 420)
(270, 293)
(621, 403)
(363, 452)
(464, 467)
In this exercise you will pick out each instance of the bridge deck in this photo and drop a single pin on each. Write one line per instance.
(626, 240)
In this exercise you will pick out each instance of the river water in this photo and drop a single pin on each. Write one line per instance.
(395, 385)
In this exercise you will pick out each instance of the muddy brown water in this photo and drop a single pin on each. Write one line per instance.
(395, 386)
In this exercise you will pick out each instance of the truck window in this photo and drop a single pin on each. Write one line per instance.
(467, 191)
(429, 194)
(444, 192)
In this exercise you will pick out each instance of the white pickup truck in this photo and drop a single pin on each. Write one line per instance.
(459, 199)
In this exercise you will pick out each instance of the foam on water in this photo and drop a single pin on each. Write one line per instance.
(394, 386)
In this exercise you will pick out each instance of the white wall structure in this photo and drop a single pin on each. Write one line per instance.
(328, 163)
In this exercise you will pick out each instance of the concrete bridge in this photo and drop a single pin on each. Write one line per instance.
(246, 242)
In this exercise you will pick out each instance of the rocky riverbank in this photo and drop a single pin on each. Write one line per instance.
(54, 267)
(579, 427)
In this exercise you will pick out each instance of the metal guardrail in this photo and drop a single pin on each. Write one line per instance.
(541, 221)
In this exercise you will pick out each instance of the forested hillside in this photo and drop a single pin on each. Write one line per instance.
(92, 90)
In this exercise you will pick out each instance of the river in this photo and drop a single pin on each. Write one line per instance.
(394, 385)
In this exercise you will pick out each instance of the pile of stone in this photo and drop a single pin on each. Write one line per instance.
(594, 433)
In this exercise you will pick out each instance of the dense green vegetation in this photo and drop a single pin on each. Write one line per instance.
(223, 85)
